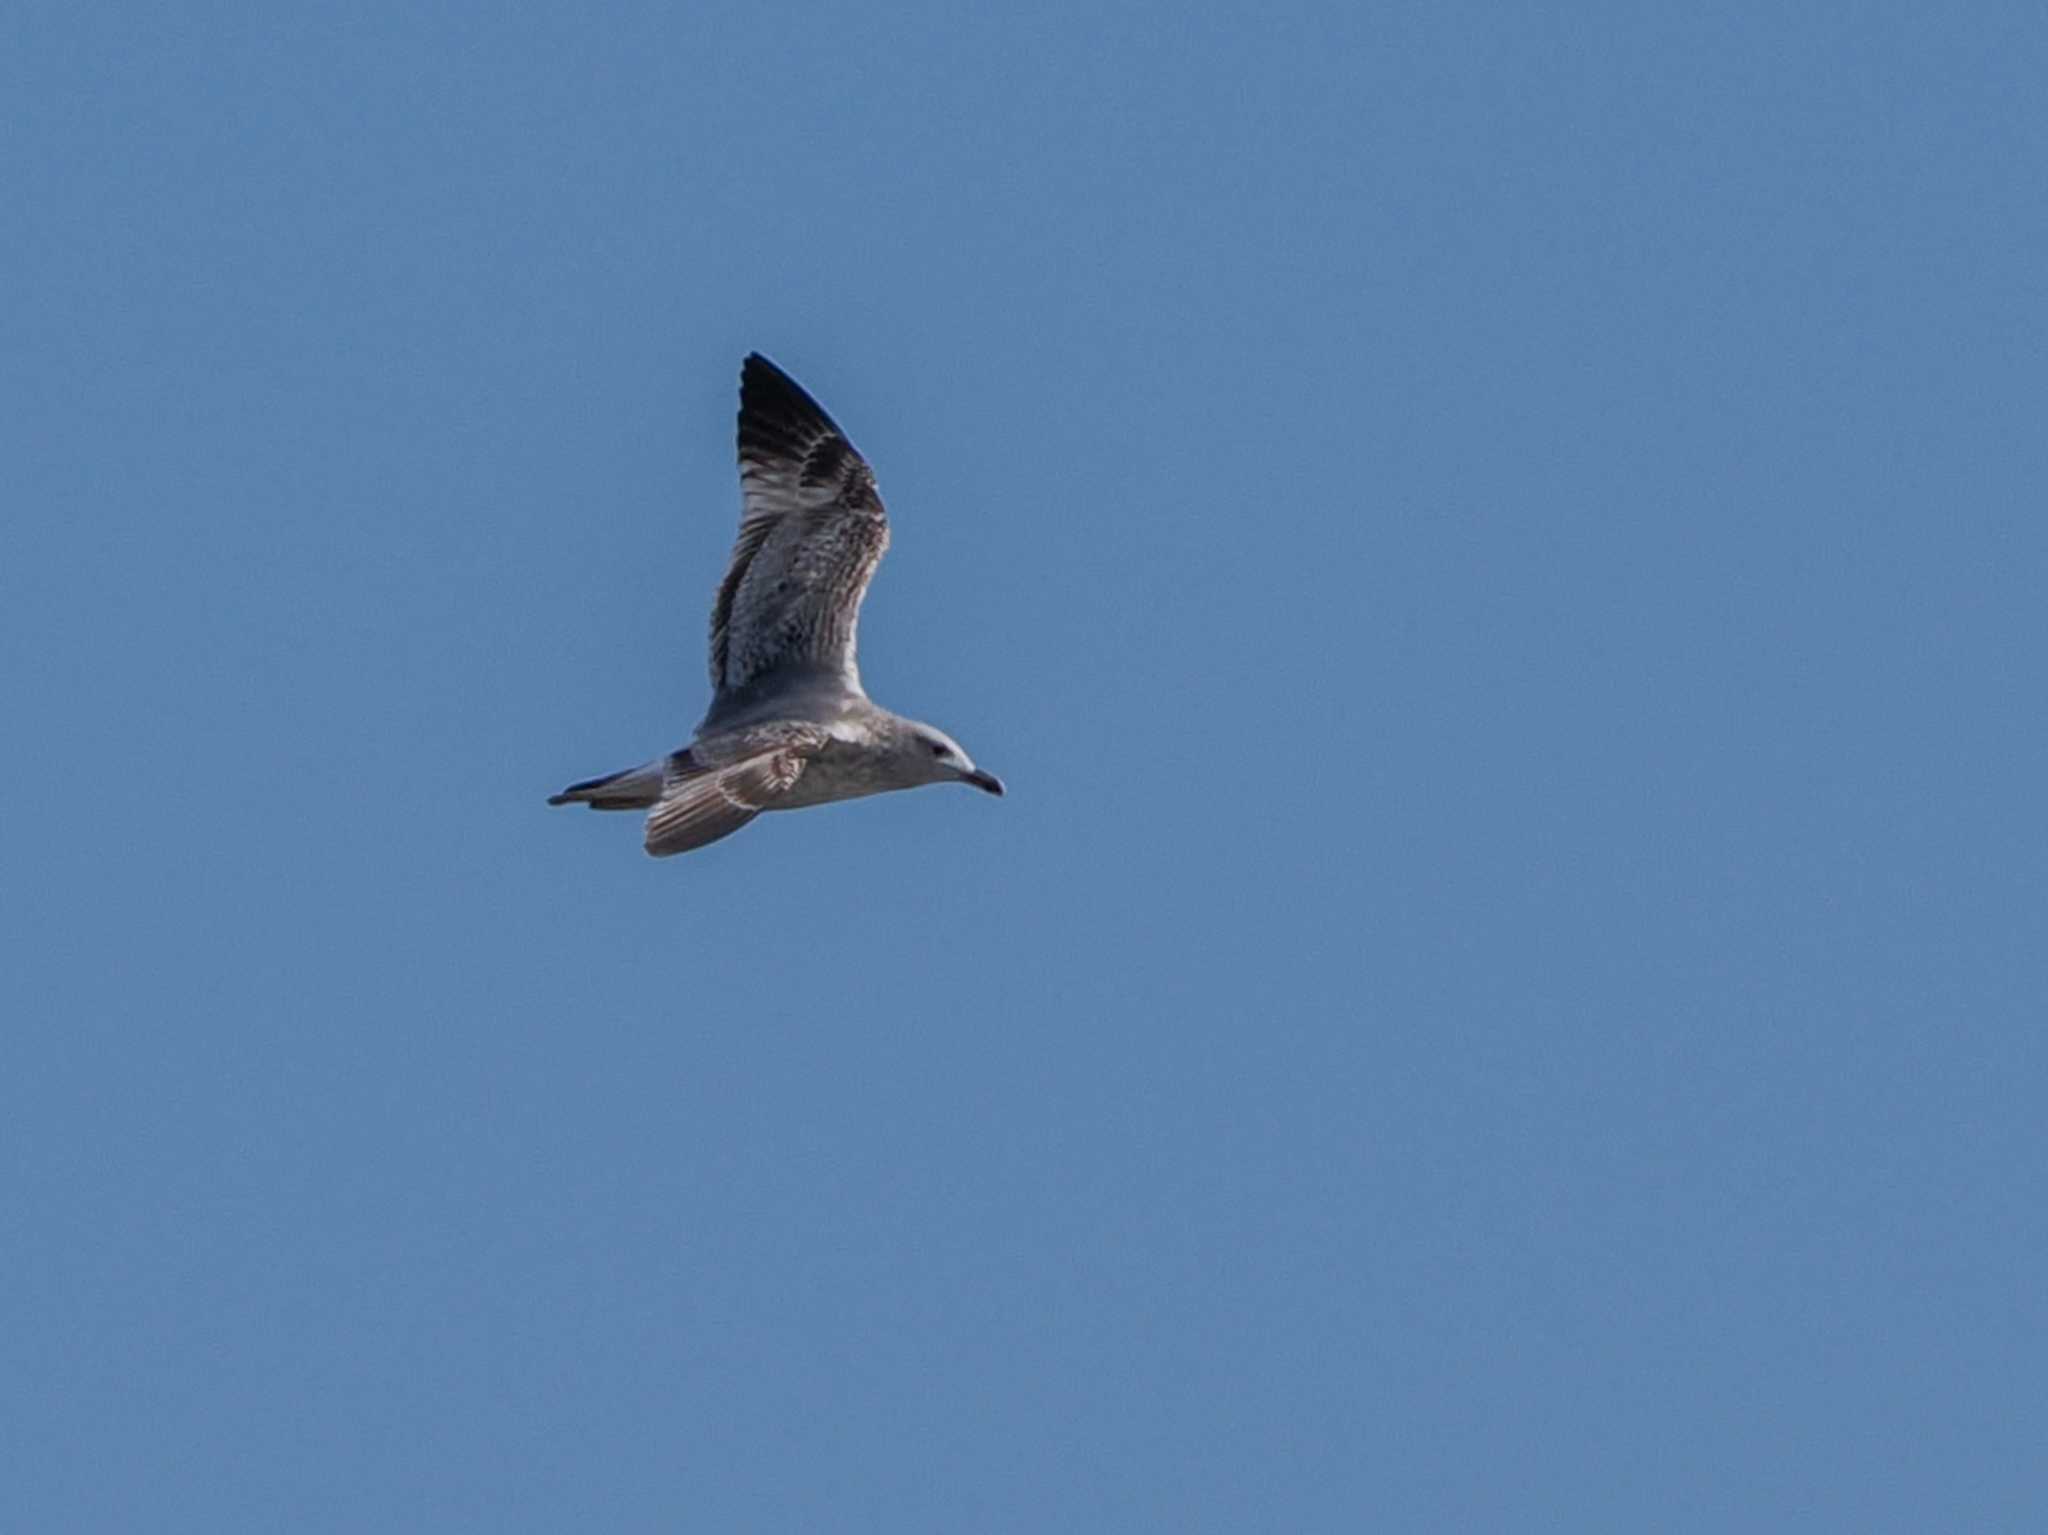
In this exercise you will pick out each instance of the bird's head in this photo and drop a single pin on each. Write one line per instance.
(936, 757)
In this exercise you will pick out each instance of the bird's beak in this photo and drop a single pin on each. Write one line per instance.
(987, 782)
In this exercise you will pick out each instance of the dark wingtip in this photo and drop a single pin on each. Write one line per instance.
(559, 799)
(769, 397)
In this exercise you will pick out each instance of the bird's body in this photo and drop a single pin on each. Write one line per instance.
(789, 723)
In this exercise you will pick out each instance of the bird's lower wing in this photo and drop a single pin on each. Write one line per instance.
(697, 808)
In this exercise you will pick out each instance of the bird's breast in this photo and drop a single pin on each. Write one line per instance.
(842, 769)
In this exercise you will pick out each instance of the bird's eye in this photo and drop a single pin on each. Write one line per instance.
(938, 750)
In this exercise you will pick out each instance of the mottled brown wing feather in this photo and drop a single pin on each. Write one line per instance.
(812, 530)
(697, 808)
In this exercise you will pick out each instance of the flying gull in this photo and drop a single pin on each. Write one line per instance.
(788, 725)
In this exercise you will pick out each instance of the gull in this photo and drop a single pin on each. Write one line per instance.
(789, 724)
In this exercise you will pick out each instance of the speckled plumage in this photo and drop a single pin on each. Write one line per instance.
(812, 531)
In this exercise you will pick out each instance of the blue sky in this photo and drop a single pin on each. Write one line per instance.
(1499, 550)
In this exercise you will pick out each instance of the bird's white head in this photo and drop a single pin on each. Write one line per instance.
(930, 755)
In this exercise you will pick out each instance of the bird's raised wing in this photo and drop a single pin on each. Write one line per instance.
(812, 530)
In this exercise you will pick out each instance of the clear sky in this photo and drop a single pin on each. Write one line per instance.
(1499, 549)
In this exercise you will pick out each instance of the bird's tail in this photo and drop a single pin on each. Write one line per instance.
(634, 789)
